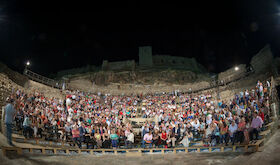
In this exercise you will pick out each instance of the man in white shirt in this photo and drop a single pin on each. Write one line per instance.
(232, 131)
(195, 124)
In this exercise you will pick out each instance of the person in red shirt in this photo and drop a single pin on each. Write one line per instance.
(261, 114)
(240, 130)
(163, 138)
(76, 135)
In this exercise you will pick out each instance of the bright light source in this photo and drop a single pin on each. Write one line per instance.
(28, 63)
(236, 68)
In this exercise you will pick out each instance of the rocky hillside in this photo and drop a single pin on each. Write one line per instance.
(148, 77)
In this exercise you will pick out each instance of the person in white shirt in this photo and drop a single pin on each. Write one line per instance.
(232, 131)
(185, 141)
(129, 139)
(148, 138)
(261, 89)
(195, 124)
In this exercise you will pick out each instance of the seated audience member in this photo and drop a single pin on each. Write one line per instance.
(106, 140)
(224, 135)
(207, 135)
(185, 141)
(163, 138)
(148, 138)
(176, 130)
(246, 132)
(129, 139)
(68, 132)
(98, 139)
(256, 125)
(177, 117)
(156, 138)
(173, 139)
(215, 139)
(88, 138)
(82, 132)
(114, 139)
(27, 130)
(240, 131)
(232, 131)
(76, 136)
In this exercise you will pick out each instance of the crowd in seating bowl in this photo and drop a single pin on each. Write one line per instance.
(100, 120)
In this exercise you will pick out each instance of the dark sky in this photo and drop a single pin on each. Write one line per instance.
(63, 36)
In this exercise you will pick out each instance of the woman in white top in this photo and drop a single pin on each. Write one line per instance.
(185, 141)
(207, 134)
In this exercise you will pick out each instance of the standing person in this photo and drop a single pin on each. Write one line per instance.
(9, 117)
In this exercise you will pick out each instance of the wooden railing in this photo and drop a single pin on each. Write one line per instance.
(50, 150)
(41, 79)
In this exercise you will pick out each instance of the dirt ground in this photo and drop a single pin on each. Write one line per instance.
(269, 155)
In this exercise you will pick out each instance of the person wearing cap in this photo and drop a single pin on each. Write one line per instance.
(9, 117)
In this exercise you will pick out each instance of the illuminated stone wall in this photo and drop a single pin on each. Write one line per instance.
(232, 73)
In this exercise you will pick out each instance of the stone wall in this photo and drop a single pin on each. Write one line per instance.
(262, 61)
(132, 88)
(14, 76)
(178, 62)
(119, 65)
(147, 77)
(83, 84)
(32, 86)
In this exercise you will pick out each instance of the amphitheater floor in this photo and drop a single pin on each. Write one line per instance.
(269, 155)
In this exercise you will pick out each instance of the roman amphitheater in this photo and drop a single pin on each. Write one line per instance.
(132, 90)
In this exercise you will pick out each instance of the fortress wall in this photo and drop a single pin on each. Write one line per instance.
(183, 62)
(118, 65)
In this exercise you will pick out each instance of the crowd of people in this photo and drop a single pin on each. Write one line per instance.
(102, 121)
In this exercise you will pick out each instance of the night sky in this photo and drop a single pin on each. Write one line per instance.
(55, 37)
